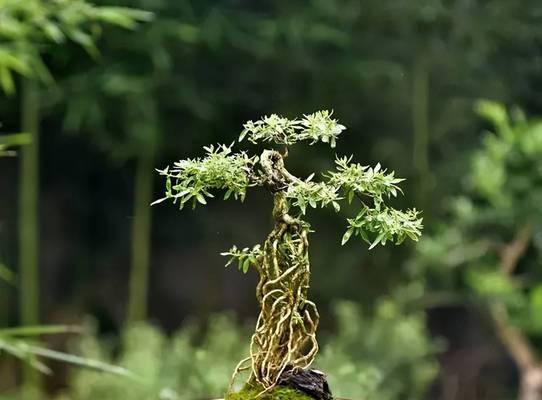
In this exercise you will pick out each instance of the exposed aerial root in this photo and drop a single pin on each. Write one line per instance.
(285, 334)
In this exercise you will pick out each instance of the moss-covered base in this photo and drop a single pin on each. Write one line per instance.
(279, 393)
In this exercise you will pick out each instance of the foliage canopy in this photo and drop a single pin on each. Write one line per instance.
(193, 180)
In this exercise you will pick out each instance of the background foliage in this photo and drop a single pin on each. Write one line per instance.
(189, 366)
(403, 76)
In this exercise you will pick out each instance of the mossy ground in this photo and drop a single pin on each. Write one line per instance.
(279, 393)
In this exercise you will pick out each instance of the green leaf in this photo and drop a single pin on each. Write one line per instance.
(201, 199)
(53, 32)
(159, 201)
(246, 265)
(376, 241)
(535, 306)
(364, 236)
(14, 61)
(79, 361)
(85, 40)
(124, 17)
(6, 80)
(350, 196)
(19, 349)
(302, 206)
(346, 236)
(15, 139)
(229, 261)
(39, 330)
(6, 274)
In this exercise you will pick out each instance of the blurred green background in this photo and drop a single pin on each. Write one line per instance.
(106, 92)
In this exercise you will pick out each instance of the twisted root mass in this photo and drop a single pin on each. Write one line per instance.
(285, 335)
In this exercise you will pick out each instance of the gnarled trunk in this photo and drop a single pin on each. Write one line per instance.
(285, 335)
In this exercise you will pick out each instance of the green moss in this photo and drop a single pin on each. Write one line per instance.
(279, 393)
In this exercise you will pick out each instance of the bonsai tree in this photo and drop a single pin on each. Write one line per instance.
(284, 343)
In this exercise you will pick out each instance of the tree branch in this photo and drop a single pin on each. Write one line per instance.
(514, 340)
(511, 253)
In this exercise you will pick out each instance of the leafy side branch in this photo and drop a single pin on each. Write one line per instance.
(285, 335)
(192, 180)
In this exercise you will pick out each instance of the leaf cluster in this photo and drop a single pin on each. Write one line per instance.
(245, 257)
(194, 179)
(375, 217)
(355, 179)
(315, 127)
(387, 224)
(313, 194)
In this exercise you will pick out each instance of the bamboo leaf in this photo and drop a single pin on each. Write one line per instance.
(39, 330)
(79, 361)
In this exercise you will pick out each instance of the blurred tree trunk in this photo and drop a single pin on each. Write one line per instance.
(420, 126)
(531, 384)
(141, 229)
(516, 342)
(28, 214)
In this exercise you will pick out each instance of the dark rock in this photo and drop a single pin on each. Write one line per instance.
(310, 381)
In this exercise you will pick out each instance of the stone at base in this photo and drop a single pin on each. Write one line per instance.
(293, 385)
(310, 381)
